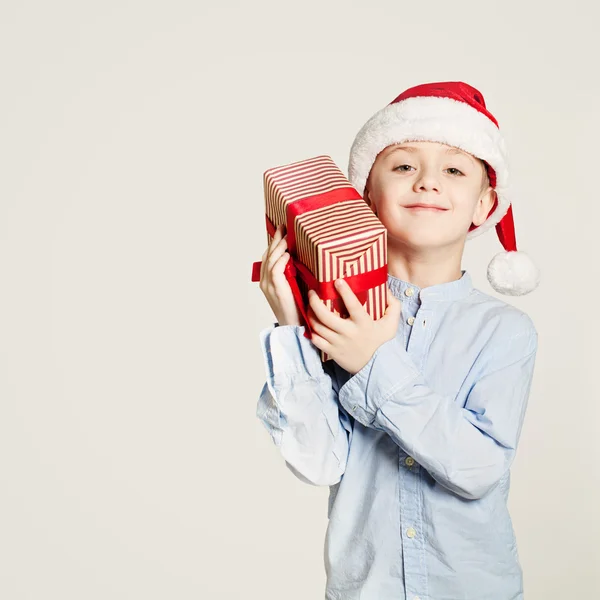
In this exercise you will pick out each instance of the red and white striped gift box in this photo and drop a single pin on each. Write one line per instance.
(331, 233)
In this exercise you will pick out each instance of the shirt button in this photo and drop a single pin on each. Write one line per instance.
(409, 292)
(410, 320)
(354, 407)
(410, 461)
(410, 532)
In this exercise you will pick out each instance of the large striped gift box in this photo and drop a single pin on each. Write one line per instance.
(331, 233)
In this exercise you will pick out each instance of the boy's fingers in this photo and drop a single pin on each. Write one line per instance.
(267, 254)
(278, 248)
(276, 254)
(355, 309)
(275, 240)
(392, 300)
(317, 325)
(394, 305)
(279, 266)
(322, 313)
(263, 261)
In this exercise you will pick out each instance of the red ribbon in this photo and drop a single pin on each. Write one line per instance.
(360, 284)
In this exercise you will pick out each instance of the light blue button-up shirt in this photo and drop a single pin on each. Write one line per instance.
(416, 447)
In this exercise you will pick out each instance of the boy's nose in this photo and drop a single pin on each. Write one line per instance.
(428, 183)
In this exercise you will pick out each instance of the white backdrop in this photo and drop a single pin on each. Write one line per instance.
(133, 138)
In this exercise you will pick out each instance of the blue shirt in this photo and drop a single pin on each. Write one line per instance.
(416, 447)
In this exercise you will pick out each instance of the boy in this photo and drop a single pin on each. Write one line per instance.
(414, 424)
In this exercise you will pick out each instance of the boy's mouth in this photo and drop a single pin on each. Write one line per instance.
(425, 207)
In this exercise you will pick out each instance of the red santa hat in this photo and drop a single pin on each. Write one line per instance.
(452, 113)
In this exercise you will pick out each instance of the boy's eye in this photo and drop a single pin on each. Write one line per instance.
(456, 170)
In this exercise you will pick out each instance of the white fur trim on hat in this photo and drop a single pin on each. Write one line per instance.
(434, 119)
(513, 273)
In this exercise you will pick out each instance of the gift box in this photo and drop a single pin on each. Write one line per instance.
(331, 233)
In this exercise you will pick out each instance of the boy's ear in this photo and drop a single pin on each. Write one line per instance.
(484, 206)
(367, 199)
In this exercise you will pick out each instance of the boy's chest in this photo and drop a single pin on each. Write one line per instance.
(445, 352)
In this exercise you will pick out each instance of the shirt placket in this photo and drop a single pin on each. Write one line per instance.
(409, 315)
(419, 335)
(411, 519)
(411, 510)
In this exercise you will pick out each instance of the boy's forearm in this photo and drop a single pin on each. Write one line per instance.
(298, 406)
(466, 450)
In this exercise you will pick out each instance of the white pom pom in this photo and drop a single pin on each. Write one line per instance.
(513, 273)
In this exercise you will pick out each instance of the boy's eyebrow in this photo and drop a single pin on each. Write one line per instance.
(448, 151)
(407, 148)
(461, 152)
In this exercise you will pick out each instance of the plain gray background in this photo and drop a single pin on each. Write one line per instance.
(133, 138)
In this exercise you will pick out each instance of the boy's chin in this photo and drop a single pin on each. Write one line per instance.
(425, 241)
(418, 236)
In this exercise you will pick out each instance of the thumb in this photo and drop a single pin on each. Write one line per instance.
(394, 306)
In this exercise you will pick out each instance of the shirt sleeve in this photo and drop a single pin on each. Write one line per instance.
(298, 405)
(466, 449)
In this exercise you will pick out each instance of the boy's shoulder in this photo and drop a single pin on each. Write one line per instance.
(504, 332)
(503, 313)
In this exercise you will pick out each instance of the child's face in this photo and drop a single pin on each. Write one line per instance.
(434, 174)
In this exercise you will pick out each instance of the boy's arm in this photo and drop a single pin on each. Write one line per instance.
(298, 406)
(467, 450)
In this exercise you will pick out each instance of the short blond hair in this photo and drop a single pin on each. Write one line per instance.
(485, 180)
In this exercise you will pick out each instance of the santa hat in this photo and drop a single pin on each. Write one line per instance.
(452, 113)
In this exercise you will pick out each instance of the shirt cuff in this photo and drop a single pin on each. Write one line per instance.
(288, 354)
(389, 370)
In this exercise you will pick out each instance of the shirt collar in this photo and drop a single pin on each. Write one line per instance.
(452, 290)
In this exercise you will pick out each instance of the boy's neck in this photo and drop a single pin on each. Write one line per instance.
(424, 269)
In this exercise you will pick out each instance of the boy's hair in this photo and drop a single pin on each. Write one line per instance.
(485, 180)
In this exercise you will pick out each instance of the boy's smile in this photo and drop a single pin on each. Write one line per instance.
(418, 208)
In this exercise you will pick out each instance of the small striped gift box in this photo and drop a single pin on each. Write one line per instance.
(331, 233)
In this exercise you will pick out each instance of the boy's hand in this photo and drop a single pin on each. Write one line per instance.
(274, 284)
(351, 342)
